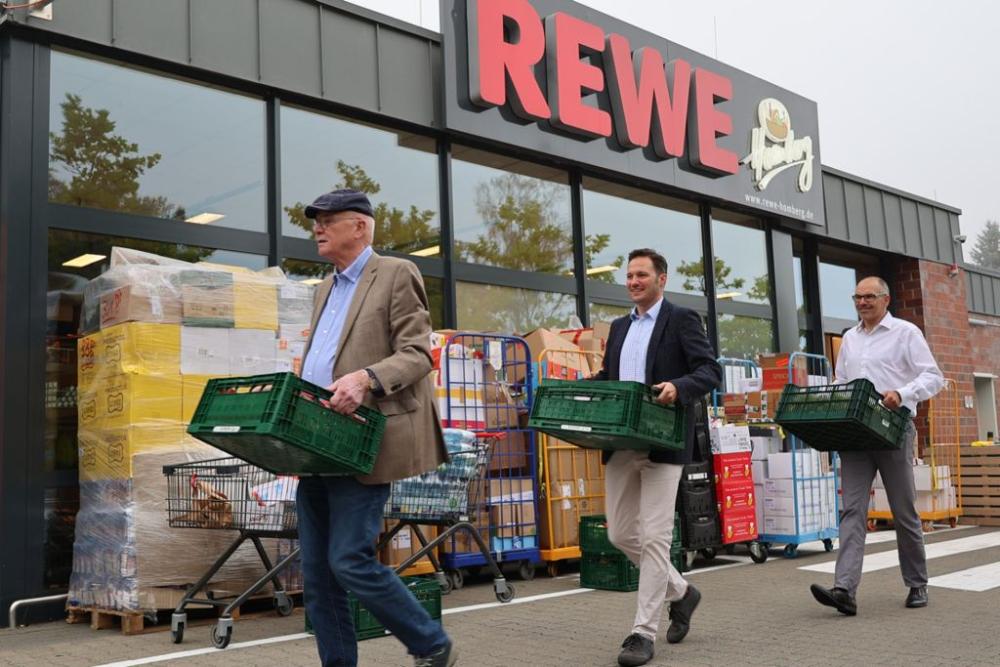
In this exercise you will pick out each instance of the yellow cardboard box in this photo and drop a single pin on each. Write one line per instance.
(107, 453)
(135, 347)
(119, 401)
(255, 302)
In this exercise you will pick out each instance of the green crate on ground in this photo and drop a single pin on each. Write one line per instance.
(608, 572)
(594, 535)
(607, 415)
(277, 422)
(366, 626)
(842, 417)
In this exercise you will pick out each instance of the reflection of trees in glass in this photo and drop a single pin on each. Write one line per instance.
(526, 229)
(600, 312)
(103, 170)
(510, 310)
(103, 167)
(744, 337)
(395, 229)
(694, 280)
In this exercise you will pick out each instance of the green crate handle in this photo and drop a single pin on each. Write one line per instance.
(316, 394)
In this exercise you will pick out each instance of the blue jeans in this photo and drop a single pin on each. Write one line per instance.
(339, 521)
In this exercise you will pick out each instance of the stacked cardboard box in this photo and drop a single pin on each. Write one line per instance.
(799, 493)
(935, 490)
(157, 331)
(734, 486)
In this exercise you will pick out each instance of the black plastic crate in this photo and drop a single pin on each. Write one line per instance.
(697, 501)
(701, 532)
(843, 417)
(607, 415)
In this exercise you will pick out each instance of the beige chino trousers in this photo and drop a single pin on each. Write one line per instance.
(640, 497)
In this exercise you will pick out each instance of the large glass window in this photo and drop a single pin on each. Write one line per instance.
(397, 170)
(618, 219)
(127, 140)
(836, 285)
(603, 312)
(510, 213)
(740, 259)
(743, 337)
(510, 310)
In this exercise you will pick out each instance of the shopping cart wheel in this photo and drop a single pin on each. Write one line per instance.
(708, 553)
(504, 590)
(444, 581)
(222, 633)
(457, 579)
(553, 568)
(526, 570)
(177, 624)
(758, 552)
(284, 604)
(952, 521)
(828, 544)
(791, 551)
(872, 525)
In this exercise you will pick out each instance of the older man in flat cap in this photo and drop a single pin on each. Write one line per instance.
(370, 345)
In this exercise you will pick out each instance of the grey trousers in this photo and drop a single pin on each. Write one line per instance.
(858, 472)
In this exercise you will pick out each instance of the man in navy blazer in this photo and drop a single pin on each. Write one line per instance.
(665, 346)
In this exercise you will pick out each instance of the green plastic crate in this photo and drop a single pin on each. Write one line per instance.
(841, 417)
(608, 572)
(277, 422)
(607, 415)
(594, 535)
(366, 626)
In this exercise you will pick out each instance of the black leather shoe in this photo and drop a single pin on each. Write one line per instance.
(680, 615)
(636, 650)
(917, 597)
(837, 598)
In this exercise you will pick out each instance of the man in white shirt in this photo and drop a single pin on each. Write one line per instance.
(894, 356)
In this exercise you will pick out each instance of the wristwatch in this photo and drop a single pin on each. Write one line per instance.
(373, 384)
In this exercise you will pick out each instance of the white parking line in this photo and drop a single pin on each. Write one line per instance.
(887, 559)
(302, 635)
(978, 579)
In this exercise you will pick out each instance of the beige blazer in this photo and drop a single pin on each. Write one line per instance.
(387, 329)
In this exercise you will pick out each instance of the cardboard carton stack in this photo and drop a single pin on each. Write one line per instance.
(935, 490)
(735, 494)
(157, 330)
(751, 399)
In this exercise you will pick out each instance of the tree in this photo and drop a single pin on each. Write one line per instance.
(986, 252)
(92, 166)
(694, 276)
(104, 168)
(744, 337)
(396, 229)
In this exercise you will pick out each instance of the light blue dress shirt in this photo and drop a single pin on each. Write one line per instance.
(632, 365)
(318, 366)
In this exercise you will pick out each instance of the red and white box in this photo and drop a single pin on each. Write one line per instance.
(733, 467)
(739, 526)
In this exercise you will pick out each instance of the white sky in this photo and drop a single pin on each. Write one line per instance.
(908, 90)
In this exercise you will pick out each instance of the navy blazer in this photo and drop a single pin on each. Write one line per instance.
(679, 352)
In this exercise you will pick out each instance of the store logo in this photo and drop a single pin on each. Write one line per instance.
(774, 148)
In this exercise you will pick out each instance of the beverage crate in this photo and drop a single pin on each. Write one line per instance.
(607, 415)
(594, 535)
(366, 626)
(842, 417)
(279, 423)
(608, 572)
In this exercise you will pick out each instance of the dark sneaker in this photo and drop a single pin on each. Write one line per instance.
(837, 598)
(636, 650)
(680, 615)
(444, 657)
(917, 597)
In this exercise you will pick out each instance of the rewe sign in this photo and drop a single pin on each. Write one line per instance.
(561, 79)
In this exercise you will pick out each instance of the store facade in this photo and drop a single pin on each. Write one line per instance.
(516, 176)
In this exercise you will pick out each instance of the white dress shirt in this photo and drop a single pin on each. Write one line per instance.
(632, 364)
(894, 356)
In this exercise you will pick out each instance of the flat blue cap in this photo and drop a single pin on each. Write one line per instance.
(340, 200)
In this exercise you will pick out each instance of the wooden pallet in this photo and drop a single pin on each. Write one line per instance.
(980, 485)
(132, 622)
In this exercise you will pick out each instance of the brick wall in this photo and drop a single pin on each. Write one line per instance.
(926, 294)
(984, 347)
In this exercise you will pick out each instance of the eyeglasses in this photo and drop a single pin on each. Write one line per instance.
(330, 222)
(867, 298)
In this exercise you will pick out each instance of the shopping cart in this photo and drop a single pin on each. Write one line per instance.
(231, 494)
(448, 497)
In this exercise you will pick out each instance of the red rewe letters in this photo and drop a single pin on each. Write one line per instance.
(638, 105)
(711, 123)
(568, 76)
(492, 59)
